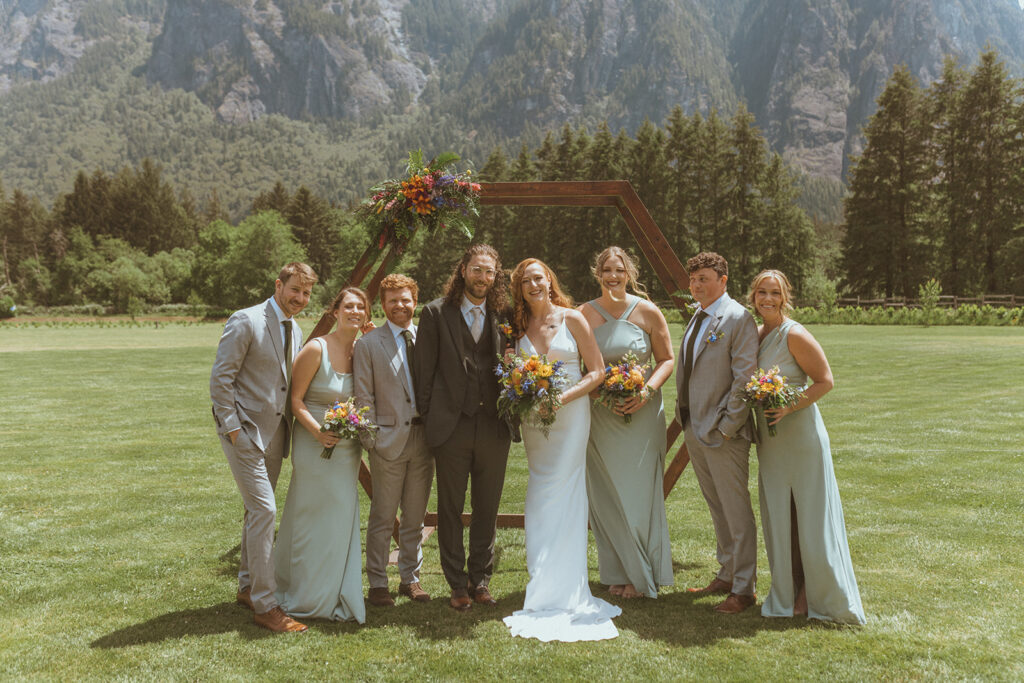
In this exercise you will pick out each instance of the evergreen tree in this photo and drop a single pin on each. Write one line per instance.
(950, 228)
(747, 163)
(313, 223)
(886, 212)
(987, 121)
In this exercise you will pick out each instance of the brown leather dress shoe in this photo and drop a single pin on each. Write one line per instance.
(413, 591)
(244, 597)
(734, 604)
(380, 597)
(460, 599)
(278, 622)
(716, 586)
(482, 596)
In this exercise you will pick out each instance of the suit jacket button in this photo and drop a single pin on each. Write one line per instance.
(284, 388)
(279, 414)
(408, 400)
(406, 422)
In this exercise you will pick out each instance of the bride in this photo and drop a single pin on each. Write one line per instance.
(558, 603)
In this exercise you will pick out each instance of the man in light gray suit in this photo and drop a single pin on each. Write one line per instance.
(719, 354)
(249, 390)
(400, 463)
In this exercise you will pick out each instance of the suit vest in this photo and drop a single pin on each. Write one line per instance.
(481, 382)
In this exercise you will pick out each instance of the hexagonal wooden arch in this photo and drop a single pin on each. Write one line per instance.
(611, 193)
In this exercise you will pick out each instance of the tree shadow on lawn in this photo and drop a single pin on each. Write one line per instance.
(221, 618)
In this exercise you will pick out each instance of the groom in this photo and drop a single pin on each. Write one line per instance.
(457, 345)
(719, 352)
(249, 390)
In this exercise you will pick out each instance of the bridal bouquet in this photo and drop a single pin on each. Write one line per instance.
(770, 390)
(530, 384)
(345, 420)
(622, 381)
(432, 195)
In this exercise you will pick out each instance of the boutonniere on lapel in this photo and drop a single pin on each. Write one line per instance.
(506, 332)
(713, 336)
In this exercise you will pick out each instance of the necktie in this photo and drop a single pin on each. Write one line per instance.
(688, 356)
(407, 335)
(287, 325)
(477, 328)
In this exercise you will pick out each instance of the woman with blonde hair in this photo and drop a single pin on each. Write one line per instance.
(317, 559)
(558, 604)
(801, 514)
(626, 460)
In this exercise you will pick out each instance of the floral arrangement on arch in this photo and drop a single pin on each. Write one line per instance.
(432, 195)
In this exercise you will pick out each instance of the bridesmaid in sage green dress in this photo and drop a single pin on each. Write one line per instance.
(802, 516)
(317, 557)
(626, 461)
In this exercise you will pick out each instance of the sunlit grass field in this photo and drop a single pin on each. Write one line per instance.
(119, 529)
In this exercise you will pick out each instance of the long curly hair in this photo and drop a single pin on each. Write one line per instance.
(632, 272)
(520, 311)
(497, 297)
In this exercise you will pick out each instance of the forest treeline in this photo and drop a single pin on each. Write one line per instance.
(131, 239)
(938, 192)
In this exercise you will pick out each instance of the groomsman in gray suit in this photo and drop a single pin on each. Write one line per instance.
(249, 390)
(400, 463)
(719, 354)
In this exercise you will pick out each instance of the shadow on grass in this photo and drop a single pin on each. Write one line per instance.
(230, 561)
(683, 619)
(225, 617)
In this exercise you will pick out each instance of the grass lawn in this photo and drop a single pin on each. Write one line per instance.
(119, 529)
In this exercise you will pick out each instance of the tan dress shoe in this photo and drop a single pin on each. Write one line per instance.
(413, 591)
(716, 586)
(460, 599)
(244, 597)
(734, 604)
(278, 622)
(482, 596)
(380, 597)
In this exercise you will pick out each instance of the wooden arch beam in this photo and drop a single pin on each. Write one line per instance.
(611, 193)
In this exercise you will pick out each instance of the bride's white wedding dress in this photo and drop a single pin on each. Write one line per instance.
(558, 603)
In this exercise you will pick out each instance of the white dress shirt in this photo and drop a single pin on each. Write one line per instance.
(468, 305)
(711, 310)
(397, 331)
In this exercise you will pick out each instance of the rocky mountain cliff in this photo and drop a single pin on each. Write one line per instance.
(809, 70)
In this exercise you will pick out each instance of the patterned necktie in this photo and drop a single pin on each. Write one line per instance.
(287, 325)
(477, 328)
(688, 356)
(407, 335)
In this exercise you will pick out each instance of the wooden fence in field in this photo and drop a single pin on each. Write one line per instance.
(945, 301)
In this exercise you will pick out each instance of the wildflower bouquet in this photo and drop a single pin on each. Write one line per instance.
(770, 390)
(432, 195)
(622, 381)
(345, 420)
(530, 384)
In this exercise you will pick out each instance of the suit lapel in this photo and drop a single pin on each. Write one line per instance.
(455, 324)
(275, 330)
(389, 345)
(713, 324)
(492, 325)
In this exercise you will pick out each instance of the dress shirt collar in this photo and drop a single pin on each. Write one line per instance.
(712, 309)
(397, 331)
(467, 304)
(277, 310)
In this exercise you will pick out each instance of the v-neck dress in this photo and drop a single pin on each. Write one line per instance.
(795, 466)
(317, 558)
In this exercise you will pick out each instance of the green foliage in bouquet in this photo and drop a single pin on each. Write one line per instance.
(432, 195)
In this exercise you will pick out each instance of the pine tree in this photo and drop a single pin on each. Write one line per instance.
(313, 224)
(886, 212)
(988, 130)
